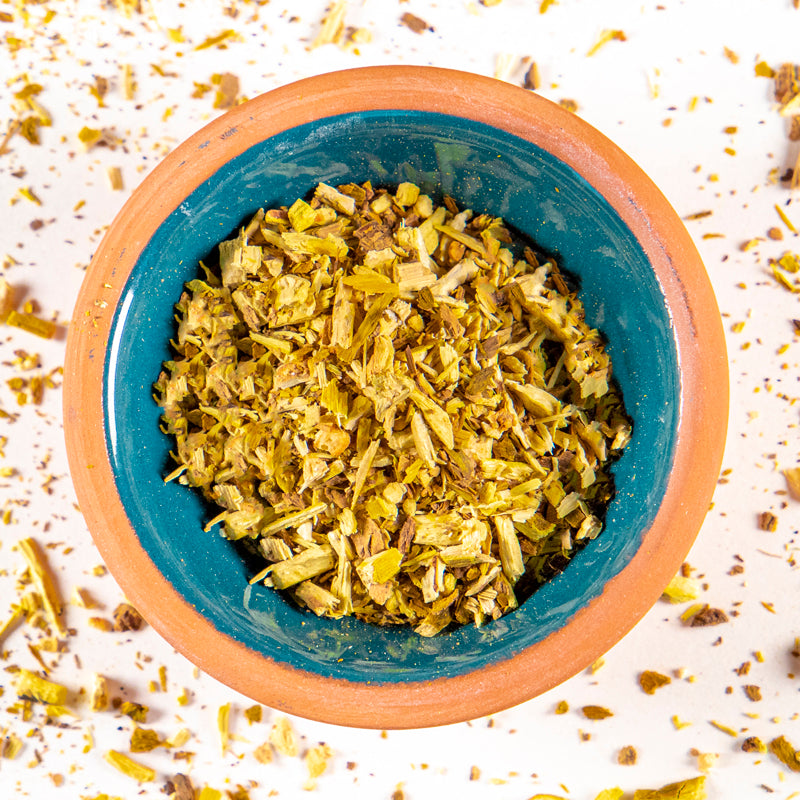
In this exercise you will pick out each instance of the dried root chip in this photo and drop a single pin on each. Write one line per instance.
(136, 711)
(127, 766)
(283, 737)
(406, 420)
(753, 692)
(32, 324)
(650, 681)
(30, 686)
(767, 521)
(692, 789)
(785, 752)
(11, 746)
(610, 794)
(263, 753)
(6, 299)
(316, 759)
(682, 589)
(227, 86)
(627, 756)
(127, 618)
(332, 27)
(143, 740)
(753, 745)
(793, 481)
(98, 698)
(596, 712)
(114, 175)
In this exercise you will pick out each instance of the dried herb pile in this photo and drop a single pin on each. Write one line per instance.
(408, 422)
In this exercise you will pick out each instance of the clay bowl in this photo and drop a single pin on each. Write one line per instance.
(496, 148)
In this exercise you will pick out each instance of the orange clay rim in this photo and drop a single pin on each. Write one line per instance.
(625, 599)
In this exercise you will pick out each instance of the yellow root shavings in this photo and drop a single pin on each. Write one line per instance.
(223, 726)
(724, 728)
(44, 581)
(605, 37)
(127, 766)
(219, 40)
(398, 406)
(30, 195)
(31, 116)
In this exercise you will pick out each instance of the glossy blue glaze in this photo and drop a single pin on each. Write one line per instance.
(487, 170)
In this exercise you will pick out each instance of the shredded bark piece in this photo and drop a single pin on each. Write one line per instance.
(180, 787)
(708, 616)
(414, 23)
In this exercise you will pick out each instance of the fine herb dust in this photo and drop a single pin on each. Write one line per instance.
(407, 421)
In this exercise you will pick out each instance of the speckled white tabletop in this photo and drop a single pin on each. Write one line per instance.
(677, 89)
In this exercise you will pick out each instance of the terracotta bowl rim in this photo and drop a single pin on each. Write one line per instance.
(702, 363)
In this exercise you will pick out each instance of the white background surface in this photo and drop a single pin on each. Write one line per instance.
(672, 46)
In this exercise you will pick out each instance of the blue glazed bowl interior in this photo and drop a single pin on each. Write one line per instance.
(485, 169)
